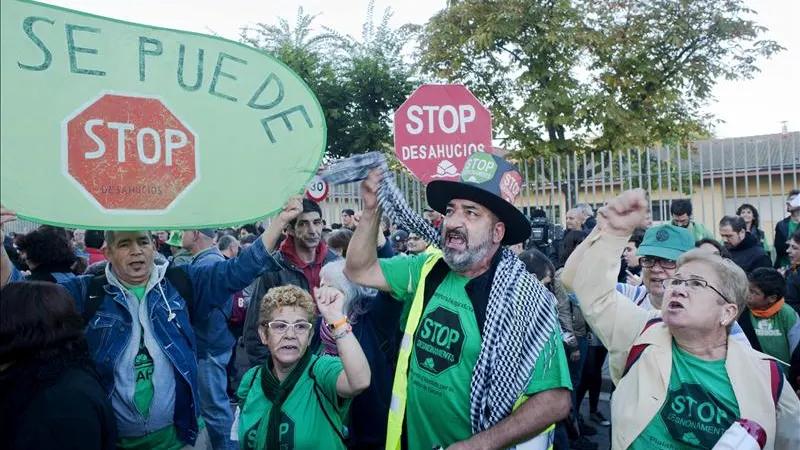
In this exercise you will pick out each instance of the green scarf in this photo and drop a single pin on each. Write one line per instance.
(277, 393)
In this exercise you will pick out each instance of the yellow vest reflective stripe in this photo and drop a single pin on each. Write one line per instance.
(397, 407)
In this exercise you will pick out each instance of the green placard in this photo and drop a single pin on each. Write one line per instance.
(114, 125)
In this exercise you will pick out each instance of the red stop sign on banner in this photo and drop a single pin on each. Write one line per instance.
(129, 153)
(437, 128)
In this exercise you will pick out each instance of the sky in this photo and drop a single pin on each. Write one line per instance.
(751, 107)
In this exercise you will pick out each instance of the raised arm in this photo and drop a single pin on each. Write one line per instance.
(355, 376)
(362, 260)
(214, 284)
(591, 272)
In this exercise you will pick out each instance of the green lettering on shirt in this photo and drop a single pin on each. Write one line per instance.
(774, 333)
(445, 351)
(699, 408)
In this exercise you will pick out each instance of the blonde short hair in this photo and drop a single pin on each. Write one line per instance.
(286, 296)
(733, 280)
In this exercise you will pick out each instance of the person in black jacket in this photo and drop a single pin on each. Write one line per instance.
(52, 396)
(745, 249)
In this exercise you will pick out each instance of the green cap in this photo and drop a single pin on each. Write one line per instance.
(666, 242)
(175, 239)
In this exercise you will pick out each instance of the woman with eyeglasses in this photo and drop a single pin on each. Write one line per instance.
(682, 381)
(298, 400)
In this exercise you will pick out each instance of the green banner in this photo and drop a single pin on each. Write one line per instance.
(114, 125)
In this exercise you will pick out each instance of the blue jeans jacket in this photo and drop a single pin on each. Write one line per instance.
(110, 329)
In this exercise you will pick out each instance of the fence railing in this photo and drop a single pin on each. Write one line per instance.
(717, 175)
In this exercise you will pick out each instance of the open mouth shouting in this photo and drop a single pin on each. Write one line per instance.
(456, 240)
(137, 266)
(674, 306)
(289, 348)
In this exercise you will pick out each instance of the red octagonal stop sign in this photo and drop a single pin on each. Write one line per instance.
(437, 128)
(129, 153)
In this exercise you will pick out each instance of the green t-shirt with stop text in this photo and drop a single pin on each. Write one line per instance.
(303, 425)
(447, 343)
(699, 408)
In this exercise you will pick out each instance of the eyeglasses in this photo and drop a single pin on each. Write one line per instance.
(648, 262)
(692, 284)
(281, 327)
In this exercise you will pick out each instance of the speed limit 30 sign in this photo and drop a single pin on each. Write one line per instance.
(317, 189)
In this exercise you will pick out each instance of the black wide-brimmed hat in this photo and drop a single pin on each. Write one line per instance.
(492, 182)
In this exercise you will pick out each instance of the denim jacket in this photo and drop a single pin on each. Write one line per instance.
(109, 331)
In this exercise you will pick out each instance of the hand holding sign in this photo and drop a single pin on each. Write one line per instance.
(140, 127)
(6, 215)
(292, 209)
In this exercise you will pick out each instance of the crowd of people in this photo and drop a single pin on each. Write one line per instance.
(399, 332)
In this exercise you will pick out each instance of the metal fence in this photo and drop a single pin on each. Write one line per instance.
(717, 175)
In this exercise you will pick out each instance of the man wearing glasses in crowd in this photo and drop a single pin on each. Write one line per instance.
(659, 251)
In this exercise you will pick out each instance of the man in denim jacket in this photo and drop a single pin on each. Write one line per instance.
(141, 336)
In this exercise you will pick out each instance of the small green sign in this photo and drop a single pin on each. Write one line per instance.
(479, 168)
(113, 125)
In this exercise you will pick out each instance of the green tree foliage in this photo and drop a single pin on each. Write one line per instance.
(359, 82)
(587, 75)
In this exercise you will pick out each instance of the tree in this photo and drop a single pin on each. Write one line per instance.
(517, 57)
(588, 75)
(654, 64)
(310, 56)
(358, 82)
(378, 77)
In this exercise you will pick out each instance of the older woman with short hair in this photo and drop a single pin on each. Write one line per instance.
(296, 399)
(681, 380)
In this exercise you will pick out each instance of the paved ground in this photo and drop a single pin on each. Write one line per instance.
(602, 438)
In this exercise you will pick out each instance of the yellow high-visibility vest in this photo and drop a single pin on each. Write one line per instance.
(397, 407)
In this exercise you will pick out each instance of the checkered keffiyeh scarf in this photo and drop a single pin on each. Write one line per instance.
(520, 317)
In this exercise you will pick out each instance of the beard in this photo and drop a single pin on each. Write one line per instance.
(460, 261)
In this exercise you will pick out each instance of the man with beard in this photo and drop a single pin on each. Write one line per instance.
(447, 317)
(746, 251)
(301, 257)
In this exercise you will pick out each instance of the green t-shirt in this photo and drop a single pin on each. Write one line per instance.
(303, 424)
(699, 408)
(167, 437)
(778, 335)
(446, 348)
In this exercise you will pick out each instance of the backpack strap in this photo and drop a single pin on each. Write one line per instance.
(317, 392)
(636, 351)
(179, 279)
(776, 380)
(95, 292)
(746, 322)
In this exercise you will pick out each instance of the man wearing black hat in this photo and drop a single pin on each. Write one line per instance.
(452, 387)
